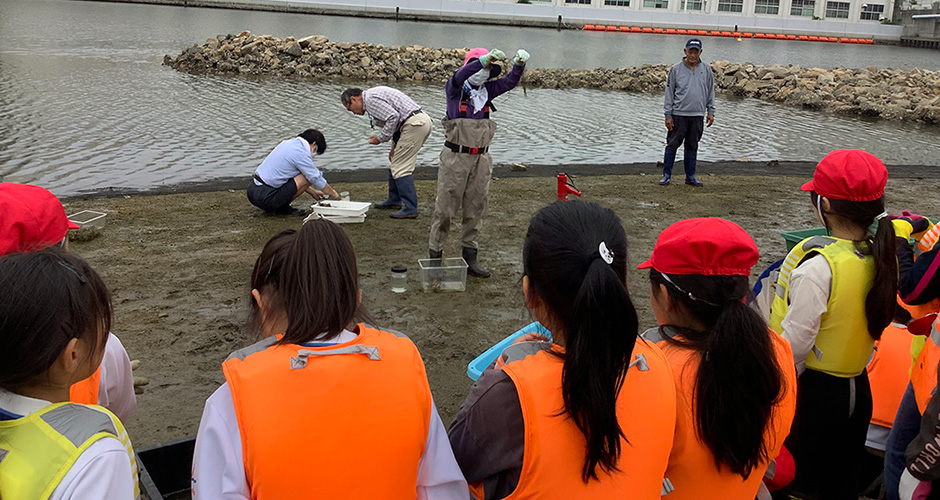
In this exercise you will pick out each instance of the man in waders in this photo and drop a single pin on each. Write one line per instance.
(690, 96)
(401, 121)
(466, 165)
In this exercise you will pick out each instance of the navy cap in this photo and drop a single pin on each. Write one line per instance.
(693, 43)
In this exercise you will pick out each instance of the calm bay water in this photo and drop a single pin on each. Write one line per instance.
(85, 103)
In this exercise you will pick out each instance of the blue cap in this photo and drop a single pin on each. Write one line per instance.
(693, 43)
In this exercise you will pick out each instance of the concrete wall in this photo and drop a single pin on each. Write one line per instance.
(544, 13)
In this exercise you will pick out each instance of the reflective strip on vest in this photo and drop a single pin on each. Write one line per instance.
(40, 448)
(306, 413)
(86, 391)
(843, 346)
(929, 239)
(554, 447)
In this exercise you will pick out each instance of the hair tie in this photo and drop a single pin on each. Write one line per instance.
(605, 253)
(882, 215)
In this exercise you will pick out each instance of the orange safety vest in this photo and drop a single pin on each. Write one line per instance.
(692, 468)
(341, 421)
(888, 374)
(924, 373)
(554, 447)
(86, 391)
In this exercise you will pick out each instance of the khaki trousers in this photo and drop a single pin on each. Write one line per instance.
(414, 132)
(462, 179)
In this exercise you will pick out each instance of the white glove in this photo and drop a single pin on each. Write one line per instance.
(494, 55)
(521, 57)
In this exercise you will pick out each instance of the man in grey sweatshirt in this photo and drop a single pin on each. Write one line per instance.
(689, 104)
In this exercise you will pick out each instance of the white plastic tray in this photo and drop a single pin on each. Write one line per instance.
(345, 208)
(89, 218)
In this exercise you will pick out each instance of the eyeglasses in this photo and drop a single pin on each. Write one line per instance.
(689, 294)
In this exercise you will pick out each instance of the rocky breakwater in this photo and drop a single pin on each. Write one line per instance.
(315, 57)
(888, 93)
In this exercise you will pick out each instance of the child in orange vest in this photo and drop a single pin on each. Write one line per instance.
(322, 407)
(725, 439)
(590, 414)
(55, 313)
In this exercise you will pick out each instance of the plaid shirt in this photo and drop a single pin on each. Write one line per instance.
(387, 108)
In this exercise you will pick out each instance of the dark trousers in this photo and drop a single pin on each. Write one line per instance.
(688, 130)
(905, 428)
(827, 439)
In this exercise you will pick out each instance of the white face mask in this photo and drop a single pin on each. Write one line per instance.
(479, 78)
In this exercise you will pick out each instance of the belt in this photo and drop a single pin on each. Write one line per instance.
(397, 134)
(457, 148)
(259, 179)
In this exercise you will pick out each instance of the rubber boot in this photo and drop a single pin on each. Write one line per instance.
(436, 262)
(474, 269)
(409, 198)
(688, 162)
(669, 159)
(394, 200)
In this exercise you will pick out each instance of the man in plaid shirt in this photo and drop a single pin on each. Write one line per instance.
(401, 121)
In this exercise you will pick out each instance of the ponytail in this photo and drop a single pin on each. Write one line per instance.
(589, 301)
(882, 298)
(596, 363)
(739, 379)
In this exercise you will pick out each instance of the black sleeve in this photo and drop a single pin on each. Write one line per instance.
(488, 434)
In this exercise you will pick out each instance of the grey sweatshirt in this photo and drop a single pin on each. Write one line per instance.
(688, 92)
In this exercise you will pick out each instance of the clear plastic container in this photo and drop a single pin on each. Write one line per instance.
(443, 275)
(399, 279)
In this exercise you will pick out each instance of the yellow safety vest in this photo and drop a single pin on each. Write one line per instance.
(37, 451)
(843, 345)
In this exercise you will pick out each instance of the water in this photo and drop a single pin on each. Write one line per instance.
(85, 103)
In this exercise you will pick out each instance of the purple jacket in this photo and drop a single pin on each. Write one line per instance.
(454, 88)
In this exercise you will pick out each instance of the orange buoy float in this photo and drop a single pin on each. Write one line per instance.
(658, 31)
(635, 29)
(803, 38)
(588, 27)
(736, 34)
(647, 30)
(760, 35)
(791, 37)
(813, 38)
(844, 40)
(714, 33)
(681, 31)
(833, 39)
(611, 28)
(624, 29)
(780, 36)
(670, 31)
(869, 41)
(747, 35)
(726, 34)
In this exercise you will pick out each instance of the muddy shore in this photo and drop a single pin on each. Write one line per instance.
(178, 266)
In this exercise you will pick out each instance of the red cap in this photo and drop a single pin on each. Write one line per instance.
(31, 218)
(707, 246)
(849, 174)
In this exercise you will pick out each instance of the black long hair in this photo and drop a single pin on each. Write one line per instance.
(739, 379)
(47, 298)
(588, 299)
(882, 297)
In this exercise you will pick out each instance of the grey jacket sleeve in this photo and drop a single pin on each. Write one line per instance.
(710, 92)
(670, 93)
